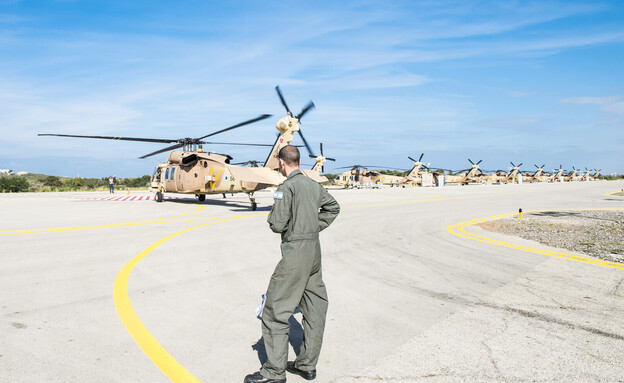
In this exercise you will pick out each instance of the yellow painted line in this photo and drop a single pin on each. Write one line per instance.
(459, 230)
(131, 223)
(144, 339)
(612, 193)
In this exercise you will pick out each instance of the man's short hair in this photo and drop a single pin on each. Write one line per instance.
(290, 155)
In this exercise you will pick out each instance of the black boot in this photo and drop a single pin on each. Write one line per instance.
(256, 377)
(307, 375)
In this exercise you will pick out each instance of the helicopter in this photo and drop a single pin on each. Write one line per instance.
(417, 177)
(536, 176)
(472, 175)
(557, 175)
(194, 171)
(504, 177)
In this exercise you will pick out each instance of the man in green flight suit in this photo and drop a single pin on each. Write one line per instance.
(301, 209)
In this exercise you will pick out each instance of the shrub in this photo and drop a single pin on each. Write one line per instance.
(13, 184)
(52, 181)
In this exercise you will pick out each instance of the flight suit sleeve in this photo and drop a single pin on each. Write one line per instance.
(329, 209)
(281, 212)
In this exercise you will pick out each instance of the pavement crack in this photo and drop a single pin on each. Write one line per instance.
(550, 319)
(492, 360)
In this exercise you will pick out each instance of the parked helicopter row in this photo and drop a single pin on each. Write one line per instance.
(421, 175)
(195, 171)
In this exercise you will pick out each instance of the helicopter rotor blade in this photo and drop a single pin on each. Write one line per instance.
(478, 162)
(305, 110)
(470, 161)
(230, 143)
(330, 159)
(421, 156)
(281, 97)
(306, 144)
(411, 159)
(172, 147)
(160, 140)
(259, 118)
(321, 149)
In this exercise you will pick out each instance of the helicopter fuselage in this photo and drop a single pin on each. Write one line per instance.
(199, 172)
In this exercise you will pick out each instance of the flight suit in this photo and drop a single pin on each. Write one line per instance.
(302, 208)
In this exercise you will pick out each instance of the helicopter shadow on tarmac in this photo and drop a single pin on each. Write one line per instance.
(234, 206)
(295, 338)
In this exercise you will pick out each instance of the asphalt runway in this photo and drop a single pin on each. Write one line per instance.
(97, 290)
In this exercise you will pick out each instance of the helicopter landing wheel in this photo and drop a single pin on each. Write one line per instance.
(254, 206)
(159, 197)
(201, 197)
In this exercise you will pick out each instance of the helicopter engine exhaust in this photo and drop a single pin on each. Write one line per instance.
(183, 158)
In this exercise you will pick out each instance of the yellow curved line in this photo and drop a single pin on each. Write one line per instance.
(612, 193)
(458, 229)
(144, 339)
(173, 369)
(131, 223)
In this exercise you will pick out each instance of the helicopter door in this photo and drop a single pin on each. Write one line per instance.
(172, 178)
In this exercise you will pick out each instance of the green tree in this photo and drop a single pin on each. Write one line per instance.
(52, 181)
(74, 183)
(13, 184)
(137, 182)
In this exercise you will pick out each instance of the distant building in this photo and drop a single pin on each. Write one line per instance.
(21, 173)
(5, 171)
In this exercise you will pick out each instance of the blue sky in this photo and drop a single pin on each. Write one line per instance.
(523, 81)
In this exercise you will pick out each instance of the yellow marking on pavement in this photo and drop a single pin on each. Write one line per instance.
(132, 223)
(154, 350)
(459, 230)
(612, 193)
(144, 339)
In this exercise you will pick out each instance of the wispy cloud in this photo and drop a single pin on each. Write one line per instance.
(611, 104)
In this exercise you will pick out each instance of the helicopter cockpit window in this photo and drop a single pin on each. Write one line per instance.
(171, 174)
(156, 175)
(205, 164)
(167, 174)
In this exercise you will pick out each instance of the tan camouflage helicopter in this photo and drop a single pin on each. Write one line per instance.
(503, 177)
(357, 176)
(537, 176)
(417, 177)
(193, 171)
(595, 175)
(572, 176)
(557, 175)
(472, 175)
(360, 176)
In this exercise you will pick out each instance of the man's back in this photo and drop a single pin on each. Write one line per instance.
(296, 213)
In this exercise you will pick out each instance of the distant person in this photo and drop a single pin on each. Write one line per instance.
(301, 209)
(111, 184)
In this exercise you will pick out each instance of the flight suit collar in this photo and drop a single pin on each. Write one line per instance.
(294, 173)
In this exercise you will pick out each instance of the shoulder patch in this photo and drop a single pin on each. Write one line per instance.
(278, 195)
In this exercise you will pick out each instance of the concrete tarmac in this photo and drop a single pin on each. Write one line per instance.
(409, 301)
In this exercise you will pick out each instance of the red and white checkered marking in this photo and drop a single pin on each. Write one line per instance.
(129, 198)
